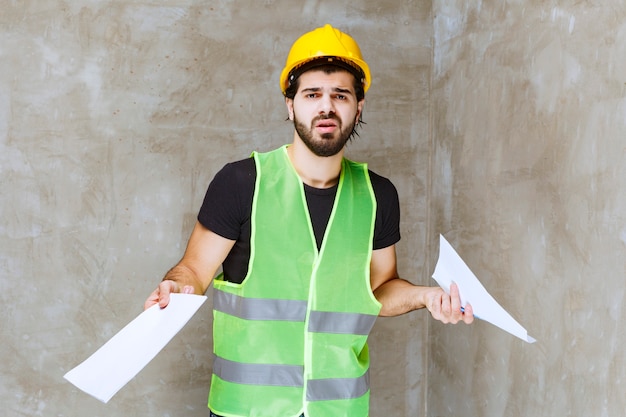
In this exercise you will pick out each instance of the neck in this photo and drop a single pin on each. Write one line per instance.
(315, 171)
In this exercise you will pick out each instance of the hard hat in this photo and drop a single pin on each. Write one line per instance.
(325, 42)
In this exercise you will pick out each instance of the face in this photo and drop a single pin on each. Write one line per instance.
(325, 110)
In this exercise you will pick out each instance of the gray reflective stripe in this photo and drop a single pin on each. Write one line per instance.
(291, 376)
(342, 323)
(337, 388)
(259, 308)
(258, 374)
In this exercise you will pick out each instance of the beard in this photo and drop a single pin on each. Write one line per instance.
(327, 144)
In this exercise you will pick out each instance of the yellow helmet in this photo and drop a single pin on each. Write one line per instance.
(325, 42)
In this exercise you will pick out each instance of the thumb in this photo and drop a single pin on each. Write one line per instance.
(188, 289)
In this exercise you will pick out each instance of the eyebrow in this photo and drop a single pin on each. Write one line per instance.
(336, 90)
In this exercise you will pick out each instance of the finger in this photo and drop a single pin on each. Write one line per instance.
(152, 300)
(165, 289)
(445, 308)
(455, 300)
(468, 314)
(188, 289)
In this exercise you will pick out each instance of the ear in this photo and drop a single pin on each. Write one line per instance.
(359, 110)
(289, 104)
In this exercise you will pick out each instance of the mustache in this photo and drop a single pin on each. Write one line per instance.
(329, 116)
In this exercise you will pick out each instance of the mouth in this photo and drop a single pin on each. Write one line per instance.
(326, 126)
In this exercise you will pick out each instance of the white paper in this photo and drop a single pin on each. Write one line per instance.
(451, 268)
(121, 358)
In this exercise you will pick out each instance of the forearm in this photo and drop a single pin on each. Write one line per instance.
(399, 297)
(193, 274)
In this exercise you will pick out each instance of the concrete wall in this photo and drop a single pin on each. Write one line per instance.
(114, 116)
(529, 134)
(502, 125)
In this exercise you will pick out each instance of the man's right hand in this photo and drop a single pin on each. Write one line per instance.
(161, 295)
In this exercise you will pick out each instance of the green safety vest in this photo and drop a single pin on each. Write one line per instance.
(292, 337)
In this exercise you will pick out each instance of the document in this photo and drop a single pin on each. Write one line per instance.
(121, 358)
(451, 268)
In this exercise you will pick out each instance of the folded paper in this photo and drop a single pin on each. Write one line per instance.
(451, 268)
(121, 358)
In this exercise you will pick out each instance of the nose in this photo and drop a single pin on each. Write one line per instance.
(326, 105)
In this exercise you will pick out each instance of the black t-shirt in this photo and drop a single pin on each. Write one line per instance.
(227, 208)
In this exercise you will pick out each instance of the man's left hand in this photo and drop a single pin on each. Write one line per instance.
(447, 308)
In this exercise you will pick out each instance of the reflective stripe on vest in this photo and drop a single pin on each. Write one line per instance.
(259, 308)
(292, 310)
(341, 323)
(258, 374)
(291, 376)
(337, 388)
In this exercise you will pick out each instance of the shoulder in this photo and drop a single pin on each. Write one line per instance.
(387, 227)
(234, 183)
(238, 171)
(384, 190)
(228, 200)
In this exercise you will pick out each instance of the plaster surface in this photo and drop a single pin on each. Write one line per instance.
(501, 124)
(529, 128)
(114, 116)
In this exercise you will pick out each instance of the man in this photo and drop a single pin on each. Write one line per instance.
(307, 240)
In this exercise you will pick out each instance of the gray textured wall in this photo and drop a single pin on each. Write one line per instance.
(503, 126)
(114, 116)
(529, 132)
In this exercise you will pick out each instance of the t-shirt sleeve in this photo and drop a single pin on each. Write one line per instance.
(228, 199)
(387, 226)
